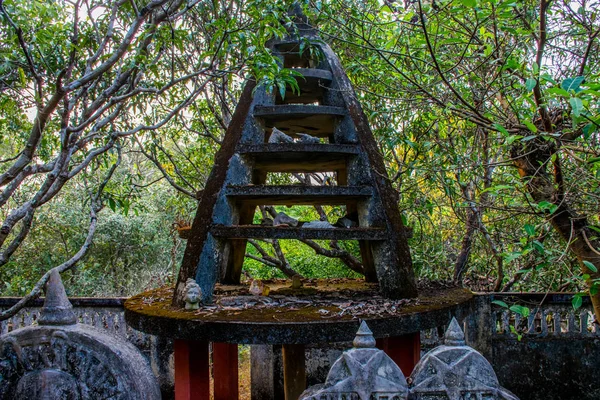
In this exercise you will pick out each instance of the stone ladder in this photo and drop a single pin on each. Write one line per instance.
(325, 108)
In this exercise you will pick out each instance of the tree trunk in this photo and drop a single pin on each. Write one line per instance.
(465, 250)
(532, 162)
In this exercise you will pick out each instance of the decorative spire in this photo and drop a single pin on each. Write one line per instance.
(364, 337)
(454, 334)
(57, 309)
(300, 21)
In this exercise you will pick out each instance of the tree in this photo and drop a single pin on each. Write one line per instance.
(506, 94)
(96, 76)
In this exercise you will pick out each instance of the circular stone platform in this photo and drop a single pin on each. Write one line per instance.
(322, 311)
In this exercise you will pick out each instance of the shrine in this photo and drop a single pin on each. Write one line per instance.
(321, 128)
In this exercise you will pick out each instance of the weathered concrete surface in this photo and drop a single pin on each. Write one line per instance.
(542, 369)
(297, 195)
(364, 372)
(73, 361)
(287, 324)
(283, 232)
(456, 371)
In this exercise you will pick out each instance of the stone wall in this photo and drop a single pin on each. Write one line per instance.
(554, 353)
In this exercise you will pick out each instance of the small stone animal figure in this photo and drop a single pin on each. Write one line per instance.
(192, 295)
(279, 137)
(304, 138)
(257, 287)
(284, 219)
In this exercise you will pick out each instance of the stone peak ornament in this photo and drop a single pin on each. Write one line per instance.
(455, 371)
(361, 373)
(57, 309)
(364, 337)
(454, 335)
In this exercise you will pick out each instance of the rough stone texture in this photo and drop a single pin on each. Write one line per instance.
(328, 111)
(57, 308)
(557, 355)
(455, 371)
(74, 361)
(286, 324)
(363, 372)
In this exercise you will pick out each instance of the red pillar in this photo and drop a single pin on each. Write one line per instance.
(405, 350)
(225, 371)
(191, 370)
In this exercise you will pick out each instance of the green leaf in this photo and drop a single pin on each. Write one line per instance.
(501, 129)
(572, 83)
(530, 229)
(469, 3)
(523, 311)
(576, 105)
(531, 126)
(577, 301)
(593, 160)
(590, 266)
(500, 303)
(530, 84)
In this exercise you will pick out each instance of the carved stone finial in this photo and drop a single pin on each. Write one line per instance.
(361, 373)
(364, 337)
(454, 334)
(192, 295)
(57, 308)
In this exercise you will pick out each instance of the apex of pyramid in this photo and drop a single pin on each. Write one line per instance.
(57, 308)
(301, 26)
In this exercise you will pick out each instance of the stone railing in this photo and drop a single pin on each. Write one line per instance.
(549, 315)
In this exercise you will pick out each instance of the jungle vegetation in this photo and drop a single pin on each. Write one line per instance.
(486, 111)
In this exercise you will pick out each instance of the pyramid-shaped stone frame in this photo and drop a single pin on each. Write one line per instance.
(217, 241)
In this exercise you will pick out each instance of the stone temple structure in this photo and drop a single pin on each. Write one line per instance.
(62, 360)
(456, 371)
(362, 373)
(320, 129)
(453, 371)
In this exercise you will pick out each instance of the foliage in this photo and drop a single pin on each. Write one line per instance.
(485, 110)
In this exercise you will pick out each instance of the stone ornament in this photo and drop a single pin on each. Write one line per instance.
(362, 373)
(192, 295)
(306, 138)
(62, 360)
(278, 136)
(456, 371)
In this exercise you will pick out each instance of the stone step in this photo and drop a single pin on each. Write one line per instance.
(312, 83)
(299, 157)
(291, 195)
(276, 232)
(299, 118)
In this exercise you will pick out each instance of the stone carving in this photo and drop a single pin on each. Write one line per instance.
(279, 137)
(456, 371)
(317, 224)
(61, 359)
(362, 373)
(305, 138)
(192, 295)
(284, 219)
